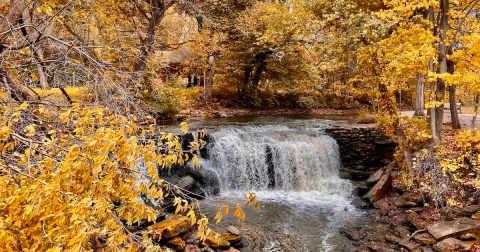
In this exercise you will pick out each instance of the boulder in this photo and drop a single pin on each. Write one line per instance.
(424, 238)
(176, 243)
(354, 234)
(454, 228)
(375, 177)
(233, 230)
(170, 227)
(452, 245)
(379, 190)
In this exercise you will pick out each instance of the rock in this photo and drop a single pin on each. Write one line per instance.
(231, 250)
(476, 216)
(359, 203)
(356, 174)
(379, 190)
(472, 209)
(454, 228)
(232, 238)
(192, 248)
(375, 177)
(177, 243)
(345, 175)
(452, 245)
(170, 227)
(233, 230)
(349, 248)
(424, 238)
(403, 203)
(186, 182)
(402, 242)
(354, 234)
(467, 237)
(217, 242)
(415, 219)
(401, 231)
(383, 205)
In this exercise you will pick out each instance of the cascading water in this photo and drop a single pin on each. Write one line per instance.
(276, 158)
(294, 172)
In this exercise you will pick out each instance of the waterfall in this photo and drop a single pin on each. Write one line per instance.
(276, 158)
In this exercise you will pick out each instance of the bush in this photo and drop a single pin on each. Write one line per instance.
(365, 117)
(306, 102)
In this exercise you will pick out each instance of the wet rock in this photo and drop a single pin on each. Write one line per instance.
(361, 188)
(186, 182)
(472, 209)
(454, 228)
(209, 141)
(349, 248)
(452, 245)
(402, 242)
(424, 238)
(170, 227)
(177, 243)
(345, 175)
(403, 203)
(356, 172)
(233, 230)
(354, 234)
(217, 242)
(374, 178)
(379, 190)
(359, 203)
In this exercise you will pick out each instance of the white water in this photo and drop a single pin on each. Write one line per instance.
(307, 201)
(303, 163)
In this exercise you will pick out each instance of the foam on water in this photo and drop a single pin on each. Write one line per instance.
(278, 162)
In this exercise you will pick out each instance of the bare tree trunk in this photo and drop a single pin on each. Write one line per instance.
(158, 9)
(433, 119)
(452, 95)
(475, 111)
(42, 77)
(442, 59)
(419, 95)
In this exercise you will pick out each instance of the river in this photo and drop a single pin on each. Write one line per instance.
(292, 166)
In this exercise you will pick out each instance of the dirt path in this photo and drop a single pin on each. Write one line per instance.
(465, 118)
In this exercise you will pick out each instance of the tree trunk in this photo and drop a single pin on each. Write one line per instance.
(16, 90)
(432, 95)
(158, 9)
(419, 95)
(252, 76)
(453, 94)
(442, 59)
(475, 111)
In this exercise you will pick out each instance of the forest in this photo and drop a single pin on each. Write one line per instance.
(87, 87)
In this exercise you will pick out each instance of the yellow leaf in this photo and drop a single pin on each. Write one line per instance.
(29, 130)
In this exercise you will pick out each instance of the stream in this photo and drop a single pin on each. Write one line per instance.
(292, 166)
